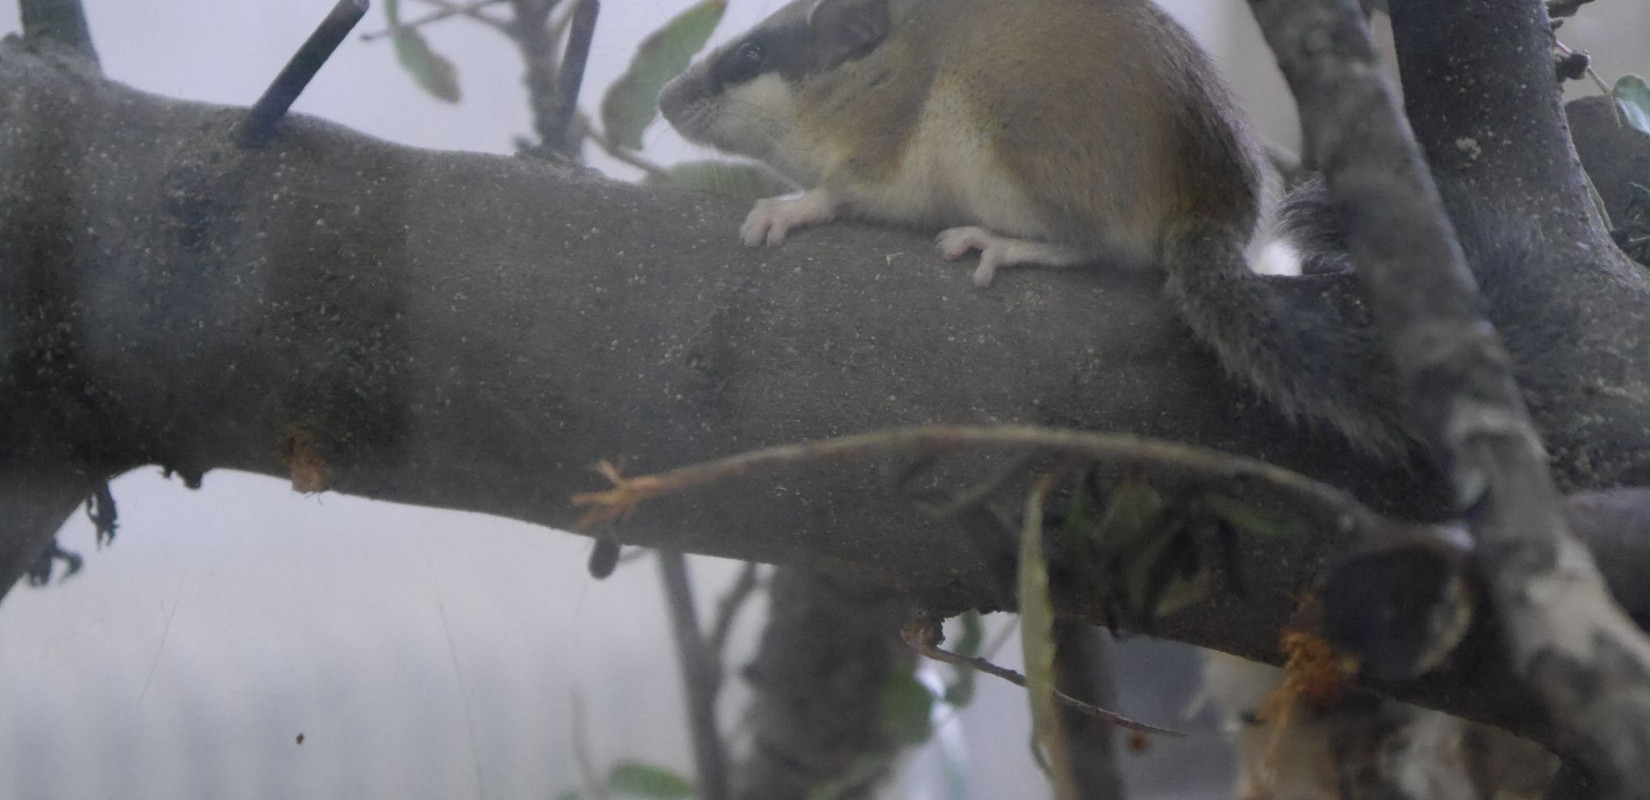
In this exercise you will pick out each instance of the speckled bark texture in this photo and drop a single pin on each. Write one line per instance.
(1483, 94)
(475, 332)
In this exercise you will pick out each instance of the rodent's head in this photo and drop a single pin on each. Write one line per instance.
(742, 97)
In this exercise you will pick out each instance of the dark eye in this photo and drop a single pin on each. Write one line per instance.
(751, 53)
(747, 62)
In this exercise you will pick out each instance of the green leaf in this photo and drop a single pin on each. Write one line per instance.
(1134, 517)
(1183, 592)
(973, 633)
(1048, 743)
(644, 780)
(960, 691)
(739, 181)
(437, 75)
(633, 100)
(433, 72)
(1632, 96)
(1244, 519)
(1080, 547)
(906, 706)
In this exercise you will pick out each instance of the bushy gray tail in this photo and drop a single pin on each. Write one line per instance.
(1304, 343)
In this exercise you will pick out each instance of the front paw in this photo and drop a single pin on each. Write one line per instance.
(774, 217)
(767, 222)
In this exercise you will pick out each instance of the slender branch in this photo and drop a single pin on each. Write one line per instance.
(1569, 641)
(701, 678)
(470, 10)
(559, 133)
(1598, 80)
(729, 606)
(920, 636)
(537, 41)
(1083, 659)
(259, 125)
(1314, 498)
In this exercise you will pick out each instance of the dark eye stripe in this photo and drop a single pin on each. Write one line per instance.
(779, 49)
(742, 63)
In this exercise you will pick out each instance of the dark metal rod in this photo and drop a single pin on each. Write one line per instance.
(259, 126)
(574, 58)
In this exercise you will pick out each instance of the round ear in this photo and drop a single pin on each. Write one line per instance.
(843, 29)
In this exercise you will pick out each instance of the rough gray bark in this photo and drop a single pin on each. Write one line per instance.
(1588, 663)
(816, 719)
(1083, 669)
(1614, 155)
(61, 21)
(474, 332)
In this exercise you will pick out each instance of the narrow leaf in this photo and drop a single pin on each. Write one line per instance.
(1134, 517)
(645, 780)
(960, 691)
(906, 706)
(1632, 96)
(433, 72)
(973, 633)
(633, 100)
(1246, 519)
(1048, 742)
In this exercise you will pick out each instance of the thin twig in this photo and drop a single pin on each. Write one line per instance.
(1598, 80)
(451, 7)
(258, 126)
(701, 678)
(919, 635)
(730, 604)
(470, 10)
(627, 493)
(575, 55)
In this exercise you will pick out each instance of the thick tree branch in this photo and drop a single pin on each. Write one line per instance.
(1481, 97)
(1590, 665)
(475, 332)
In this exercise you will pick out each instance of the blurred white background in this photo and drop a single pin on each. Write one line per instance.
(425, 653)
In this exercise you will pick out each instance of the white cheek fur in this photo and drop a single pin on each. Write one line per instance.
(753, 117)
